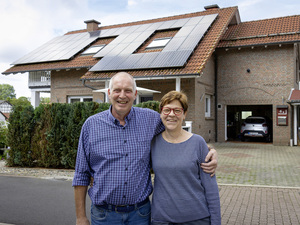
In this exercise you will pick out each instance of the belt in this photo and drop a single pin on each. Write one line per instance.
(123, 208)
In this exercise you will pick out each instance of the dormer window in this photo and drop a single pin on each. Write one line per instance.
(93, 50)
(159, 43)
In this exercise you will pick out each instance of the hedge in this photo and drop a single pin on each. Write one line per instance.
(48, 135)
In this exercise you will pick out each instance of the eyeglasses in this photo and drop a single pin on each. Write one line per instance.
(176, 111)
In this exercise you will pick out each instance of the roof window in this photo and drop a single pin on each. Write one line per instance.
(158, 43)
(93, 50)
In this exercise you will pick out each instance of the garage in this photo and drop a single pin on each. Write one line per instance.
(236, 115)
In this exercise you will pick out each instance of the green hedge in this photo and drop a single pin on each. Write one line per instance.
(48, 136)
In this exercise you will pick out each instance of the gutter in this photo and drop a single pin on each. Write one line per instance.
(84, 84)
(216, 98)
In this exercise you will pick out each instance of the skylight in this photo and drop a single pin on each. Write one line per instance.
(93, 50)
(158, 43)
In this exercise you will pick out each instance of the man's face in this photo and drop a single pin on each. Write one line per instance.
(122, 95)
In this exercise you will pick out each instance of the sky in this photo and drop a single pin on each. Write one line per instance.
(27, 24)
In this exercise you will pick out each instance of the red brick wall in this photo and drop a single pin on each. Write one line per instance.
(271, 77)
(67, 83)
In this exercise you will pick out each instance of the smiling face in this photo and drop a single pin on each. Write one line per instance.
(173, 122)
(122, 95)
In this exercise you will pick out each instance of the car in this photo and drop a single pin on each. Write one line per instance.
(256, 126)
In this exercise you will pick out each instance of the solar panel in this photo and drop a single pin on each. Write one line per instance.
(166, 25)
(194, 21)
(174, 44)
(50, 50)
(180, 23)
(118, 54)
(145, 60)
(131, 48)
(130, 62)
(106, 50)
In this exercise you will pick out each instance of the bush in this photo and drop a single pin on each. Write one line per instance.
(48, 136)
(20, 129)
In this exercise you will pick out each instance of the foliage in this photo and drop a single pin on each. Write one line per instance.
(20, 129)
(3, 134)
(154, 105)
(7, 91)
(48, 136)
(23, 101)
(45, 100)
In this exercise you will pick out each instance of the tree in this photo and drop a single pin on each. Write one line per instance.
(23, 101)
(6, 91)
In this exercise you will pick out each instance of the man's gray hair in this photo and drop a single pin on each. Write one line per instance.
(122, 74)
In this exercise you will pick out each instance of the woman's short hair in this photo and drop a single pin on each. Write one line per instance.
(174, 95)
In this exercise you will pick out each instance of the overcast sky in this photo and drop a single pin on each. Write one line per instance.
(27, 24)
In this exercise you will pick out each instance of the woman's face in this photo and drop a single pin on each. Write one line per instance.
(172, 115)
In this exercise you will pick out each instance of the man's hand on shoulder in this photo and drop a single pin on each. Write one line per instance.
(211, 162)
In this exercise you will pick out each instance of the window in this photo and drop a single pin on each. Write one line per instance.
(245, 114)
(80, 99)
(207, 106)
(158, 43)
(93, 50)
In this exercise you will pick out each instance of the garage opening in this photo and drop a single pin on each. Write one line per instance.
(236, 116)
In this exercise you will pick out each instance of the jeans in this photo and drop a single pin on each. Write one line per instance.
(204, 221)
(139, 216)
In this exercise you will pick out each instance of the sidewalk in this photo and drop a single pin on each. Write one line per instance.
(258, 183)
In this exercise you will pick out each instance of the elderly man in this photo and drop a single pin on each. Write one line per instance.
(114, 149)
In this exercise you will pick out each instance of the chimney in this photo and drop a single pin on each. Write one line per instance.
(215, 6)
(92, 25)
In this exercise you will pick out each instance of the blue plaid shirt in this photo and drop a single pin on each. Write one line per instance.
(118, 157)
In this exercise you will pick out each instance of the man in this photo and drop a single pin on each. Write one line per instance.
(114, 149)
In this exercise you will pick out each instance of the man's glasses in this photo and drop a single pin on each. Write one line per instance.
(177, 111)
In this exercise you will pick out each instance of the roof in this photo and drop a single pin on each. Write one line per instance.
(195, 63)
(294, 96)
(4, 102)
(262, 32)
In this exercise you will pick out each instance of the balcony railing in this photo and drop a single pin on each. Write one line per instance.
(39, 79)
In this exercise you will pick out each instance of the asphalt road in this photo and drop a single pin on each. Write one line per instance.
(34, 201)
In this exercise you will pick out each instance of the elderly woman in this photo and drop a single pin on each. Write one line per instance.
(183, 192)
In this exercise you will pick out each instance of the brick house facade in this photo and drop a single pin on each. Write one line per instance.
(235, 67)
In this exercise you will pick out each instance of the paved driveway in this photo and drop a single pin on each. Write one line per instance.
(259, 183)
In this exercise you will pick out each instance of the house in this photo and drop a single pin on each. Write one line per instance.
(227, 68)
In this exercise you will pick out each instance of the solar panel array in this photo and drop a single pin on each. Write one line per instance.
(118, 54)
(59, 48)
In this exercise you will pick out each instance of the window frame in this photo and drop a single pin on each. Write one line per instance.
(207, 106)
(88, 51)
(152, 45)
(81, 98)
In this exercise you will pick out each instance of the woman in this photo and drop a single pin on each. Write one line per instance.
(183, 193)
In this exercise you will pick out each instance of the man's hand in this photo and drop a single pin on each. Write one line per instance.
(80, 195)
(82, 221)
(210, 167)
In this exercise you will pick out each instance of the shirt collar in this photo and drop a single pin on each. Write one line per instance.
(127, 118)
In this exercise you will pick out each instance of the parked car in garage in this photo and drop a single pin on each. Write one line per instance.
(255, 126)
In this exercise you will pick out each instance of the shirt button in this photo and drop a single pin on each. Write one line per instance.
(126, 154)
(126, 169)
(124, 196)
(125, 141)
(125, 183)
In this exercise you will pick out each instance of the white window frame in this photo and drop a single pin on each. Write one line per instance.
(207, 105)
(93, 50)
(81, 98)
(159, 43)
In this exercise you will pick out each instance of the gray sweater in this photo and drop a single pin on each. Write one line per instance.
(182, 191)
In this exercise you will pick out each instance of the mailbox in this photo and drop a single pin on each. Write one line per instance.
(282, 115)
